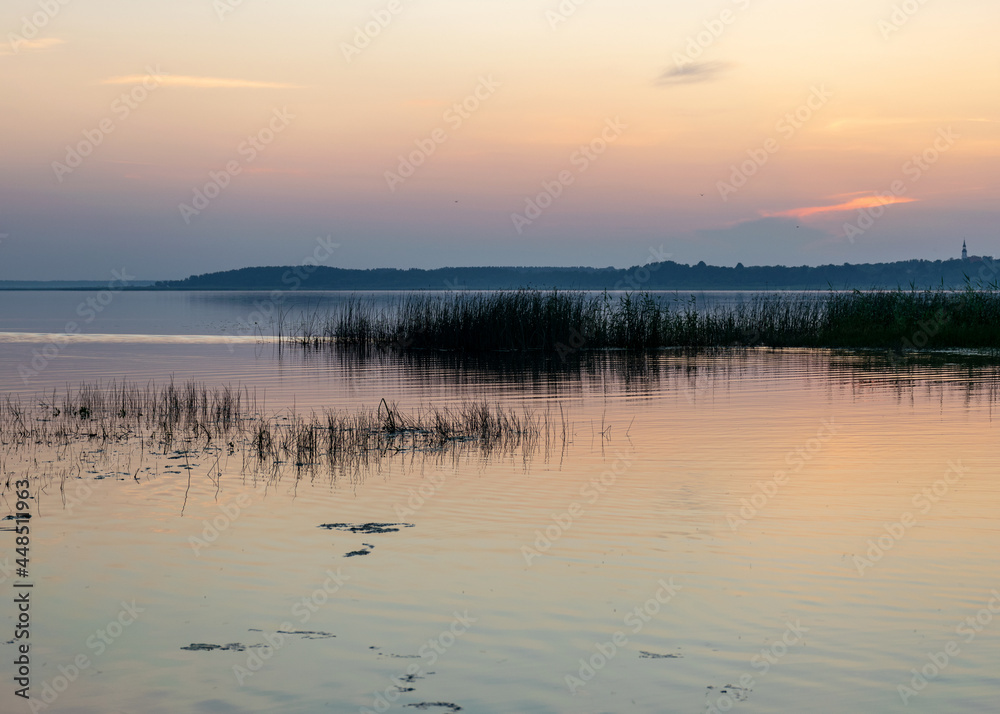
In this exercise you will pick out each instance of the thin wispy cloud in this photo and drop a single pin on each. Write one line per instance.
(882, 122)
(180, 80)
(692, 73)
(263, 170)
(852, 205)
(42, 43)
(847, 123)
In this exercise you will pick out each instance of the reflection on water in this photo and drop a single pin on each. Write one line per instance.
(691, 372)
(56, 338)
(731, 530)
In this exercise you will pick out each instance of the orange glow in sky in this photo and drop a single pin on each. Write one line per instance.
(114, 120)
(852, 205)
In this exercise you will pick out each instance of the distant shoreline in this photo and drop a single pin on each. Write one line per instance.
(659, 276)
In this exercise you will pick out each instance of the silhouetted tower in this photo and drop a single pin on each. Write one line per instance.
(965, 253)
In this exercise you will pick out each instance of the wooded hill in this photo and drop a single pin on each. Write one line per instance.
(653, 276)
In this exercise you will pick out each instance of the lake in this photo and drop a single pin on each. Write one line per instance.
(724, 530)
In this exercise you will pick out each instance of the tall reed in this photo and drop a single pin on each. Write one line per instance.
(566, 322)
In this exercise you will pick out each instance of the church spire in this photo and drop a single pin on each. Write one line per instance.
(965, 253)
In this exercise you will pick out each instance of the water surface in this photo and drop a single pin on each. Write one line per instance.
(736, 498)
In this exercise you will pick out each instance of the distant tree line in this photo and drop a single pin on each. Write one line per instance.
(653, 276)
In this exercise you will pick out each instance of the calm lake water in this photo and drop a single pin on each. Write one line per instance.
(732, 530)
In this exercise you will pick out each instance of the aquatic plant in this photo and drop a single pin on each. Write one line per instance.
(194, 416)
(565, 323)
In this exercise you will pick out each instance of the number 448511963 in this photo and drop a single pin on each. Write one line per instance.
(23, 540)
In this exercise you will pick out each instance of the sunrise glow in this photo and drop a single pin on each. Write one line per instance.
(786, 103)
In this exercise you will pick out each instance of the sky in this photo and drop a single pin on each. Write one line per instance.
(173, 137)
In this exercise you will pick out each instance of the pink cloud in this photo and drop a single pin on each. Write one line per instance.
(852, 205)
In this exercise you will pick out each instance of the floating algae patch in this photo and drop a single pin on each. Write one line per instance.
(367, 528)
(231, 647)
(393, 655)
(740, 694)
(308, 634)
(240, 647)
(654, 655)
(304, 634)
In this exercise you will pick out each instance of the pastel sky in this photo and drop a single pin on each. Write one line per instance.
(171, 137)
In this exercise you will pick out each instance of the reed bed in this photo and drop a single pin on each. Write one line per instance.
(192, 417)
(356, 438)
(119, 411)
(564, 323)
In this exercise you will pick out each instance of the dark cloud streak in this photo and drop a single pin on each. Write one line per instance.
(693, 73)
